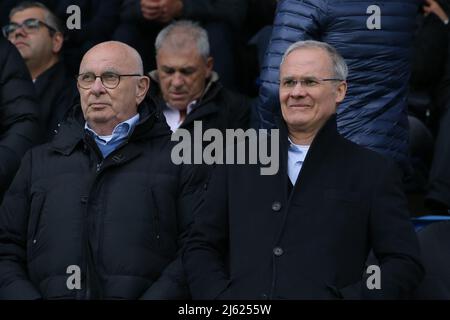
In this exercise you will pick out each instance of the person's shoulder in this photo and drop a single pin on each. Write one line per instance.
(10, 58)
(363, 156)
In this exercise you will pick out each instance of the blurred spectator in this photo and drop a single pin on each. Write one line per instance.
(430, 57)
(438, 191)
(98, 20)
(37, 34)
(185, 87)
(18, 112)
(376, 43)
(141, 21)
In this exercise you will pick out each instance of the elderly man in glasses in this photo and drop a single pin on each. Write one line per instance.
(305, 232)
(100, 212)
(37, 34)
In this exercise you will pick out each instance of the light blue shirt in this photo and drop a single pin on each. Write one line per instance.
(108, 144)
(296, 157)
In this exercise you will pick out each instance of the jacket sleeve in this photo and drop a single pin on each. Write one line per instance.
(172, 285)
(294, 21)
(231, 11)
(207, 246)
(394, 244)
(19, 126)
(14, 213)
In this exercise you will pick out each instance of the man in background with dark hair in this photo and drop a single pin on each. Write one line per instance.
(18, 113)
(38, 35)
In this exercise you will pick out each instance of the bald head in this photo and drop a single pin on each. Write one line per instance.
(116, 88)
(119, 51)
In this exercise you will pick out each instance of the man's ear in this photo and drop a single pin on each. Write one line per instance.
(341, 90)
(57, 42)
(142, 87)
(209, 66)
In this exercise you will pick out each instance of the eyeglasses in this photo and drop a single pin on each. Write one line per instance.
(109, 80)
(29, 25)
(306, 82)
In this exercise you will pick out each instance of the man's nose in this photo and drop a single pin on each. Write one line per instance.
(98, 87)
(20, 31)
(298, 90)
(177, 80)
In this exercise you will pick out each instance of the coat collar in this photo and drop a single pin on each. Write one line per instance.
(42, 81)
(322, 148)
(72, 133)
(324, 138)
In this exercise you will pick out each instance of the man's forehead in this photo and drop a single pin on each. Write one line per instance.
(106, 60)
(307, 60)
(20, 16)
(305, 55)
(187, 51)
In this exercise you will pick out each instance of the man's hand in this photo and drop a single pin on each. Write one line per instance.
(433, 7)
(170, 9)
(151, 9)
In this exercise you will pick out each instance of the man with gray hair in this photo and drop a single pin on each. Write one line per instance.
(184, 85)
(305, 232)
(38, 35)
(375, 38)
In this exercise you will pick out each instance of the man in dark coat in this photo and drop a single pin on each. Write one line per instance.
(19, 127)
(40, 45)
(101, 211)
(97, 20)
(305, 232)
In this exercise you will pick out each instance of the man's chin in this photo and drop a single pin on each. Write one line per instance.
(99, 119)
(24, 53)
(178, 104)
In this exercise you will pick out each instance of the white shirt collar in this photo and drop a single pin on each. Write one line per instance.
(173, 117)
